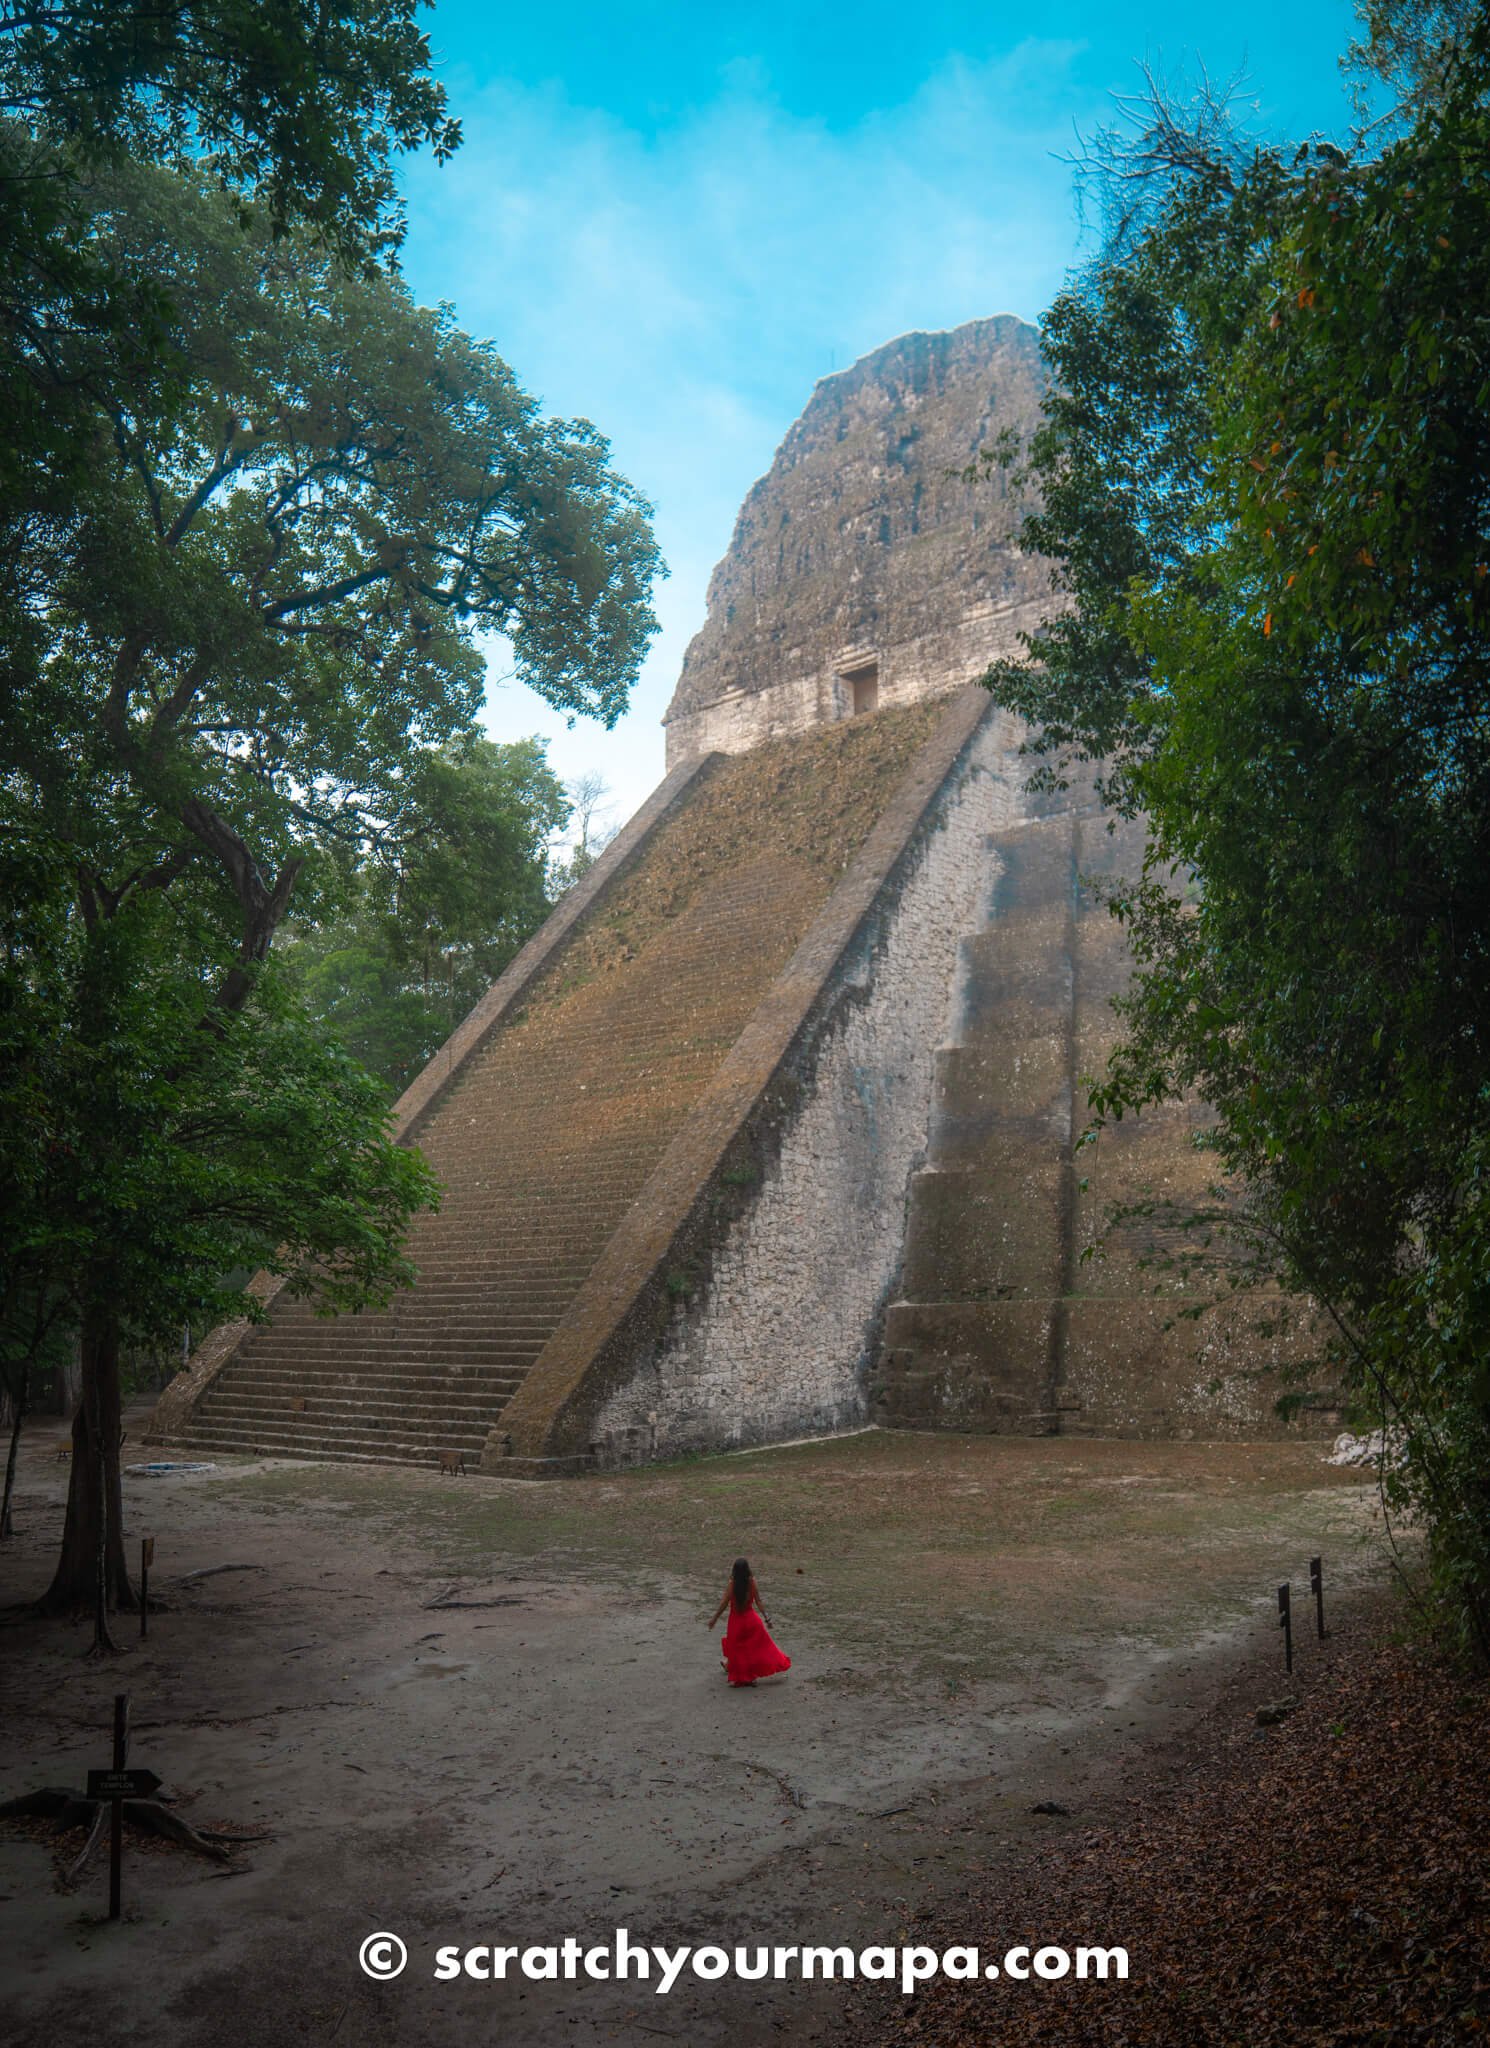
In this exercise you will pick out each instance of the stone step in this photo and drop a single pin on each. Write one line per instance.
(433, 1295)
(433, 1291)
(431, 1299)
(500, 1229)
(417, 1455)
(453, 1373)
(235, 1404)
(369, 1362)
(504, 1252)
(501, 1261)
(528, 1216)
(485, 1340)
(254, 1386)
(524, 1237)
(278, 1439)
(541, 1186)
(273, 1382)
(369, 1377)
(468, 1334)
(482, 1251)
(445, 1374)
(539, 1181)
(391, 1392)
(347, 1432)
(469, 1315)
(467, 1347)
(498, 1275)
(465, 1163)
(356, 1406)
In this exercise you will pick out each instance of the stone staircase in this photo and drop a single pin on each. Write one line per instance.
(550, 1129)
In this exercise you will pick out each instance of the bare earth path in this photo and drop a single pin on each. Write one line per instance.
(977, 1624)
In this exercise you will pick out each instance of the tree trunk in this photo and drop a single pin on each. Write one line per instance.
(22, 1397)
(92, 1560)
(67, 1388)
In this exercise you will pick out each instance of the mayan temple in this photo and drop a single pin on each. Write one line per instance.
(769, 1131)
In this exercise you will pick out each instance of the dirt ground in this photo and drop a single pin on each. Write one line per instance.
(482, 1711)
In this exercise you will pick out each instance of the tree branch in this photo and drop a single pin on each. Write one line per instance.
(223, 466)
(329, 593)
(263, 905)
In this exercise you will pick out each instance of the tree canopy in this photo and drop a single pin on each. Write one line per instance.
(256, 510)
(1265, 471)
(297, 108)
(299, 104)
(420, 936)
(257, 624)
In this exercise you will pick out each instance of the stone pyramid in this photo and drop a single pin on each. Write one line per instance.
(770, 1131)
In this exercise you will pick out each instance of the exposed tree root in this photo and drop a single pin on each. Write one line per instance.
(151, 1816)
(95, 1835)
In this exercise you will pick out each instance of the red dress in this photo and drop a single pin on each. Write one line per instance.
(749, 1652)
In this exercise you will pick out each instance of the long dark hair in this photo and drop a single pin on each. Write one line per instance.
(740, 1583)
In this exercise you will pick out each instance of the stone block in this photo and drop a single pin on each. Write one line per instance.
(1137, 1371)
(989, 1234)
(974, 1366)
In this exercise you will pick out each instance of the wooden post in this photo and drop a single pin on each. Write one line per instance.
(1316, 1587)
(1285, 1622)
(116, 1823)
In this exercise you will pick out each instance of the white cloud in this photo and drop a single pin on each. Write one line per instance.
(685, 290)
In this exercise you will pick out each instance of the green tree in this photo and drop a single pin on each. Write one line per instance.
(35, 1309)
(425, 932)
(299, 107)
(143, 1158)
(1266, 484)
(587, 794)
(300, 104)
(252, 641)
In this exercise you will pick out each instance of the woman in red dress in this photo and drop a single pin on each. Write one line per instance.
(749, 1653)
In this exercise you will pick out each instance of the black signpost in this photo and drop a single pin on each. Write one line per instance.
(147, 1558)
(1285, 1622)
(1316, 1587)
(114, 1785)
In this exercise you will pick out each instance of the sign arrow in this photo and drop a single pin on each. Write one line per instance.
(123, 1784)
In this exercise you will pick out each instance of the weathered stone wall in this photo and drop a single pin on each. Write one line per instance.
(1132, 1364)
(1001, 1322)
(866, 543)
(778, 1342)
(933, 665)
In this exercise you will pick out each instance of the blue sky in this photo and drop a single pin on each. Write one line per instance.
(672, 220)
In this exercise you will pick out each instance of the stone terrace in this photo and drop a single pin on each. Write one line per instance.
(551, 1126)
